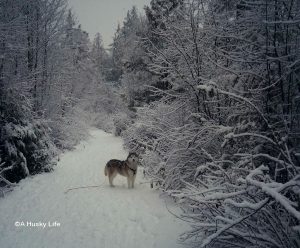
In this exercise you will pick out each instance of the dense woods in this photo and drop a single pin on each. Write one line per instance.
(206, 91)
(215, 87)
(51, 85)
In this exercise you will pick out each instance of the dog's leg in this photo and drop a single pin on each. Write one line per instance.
(111, 178)
(133, 180)
(132, 183)
(129, 182)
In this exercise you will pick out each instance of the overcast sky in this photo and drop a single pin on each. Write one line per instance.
(103, 15)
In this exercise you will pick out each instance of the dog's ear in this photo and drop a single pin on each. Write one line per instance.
(133, 153)
(130, 153)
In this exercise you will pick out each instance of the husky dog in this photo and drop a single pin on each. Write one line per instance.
(127, 168)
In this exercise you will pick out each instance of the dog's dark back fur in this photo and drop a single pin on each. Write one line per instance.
(119, 165)
(127, 168)
(115, 164)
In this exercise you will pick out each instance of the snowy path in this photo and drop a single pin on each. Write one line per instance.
(89, 218)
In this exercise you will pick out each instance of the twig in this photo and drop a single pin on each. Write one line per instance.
(149, 182)
(84, 187)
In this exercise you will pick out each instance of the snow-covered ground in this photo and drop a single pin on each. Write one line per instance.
(101, 217)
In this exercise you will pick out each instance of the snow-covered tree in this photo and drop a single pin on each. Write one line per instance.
(130, 58)
(27, 29)
(223, 136)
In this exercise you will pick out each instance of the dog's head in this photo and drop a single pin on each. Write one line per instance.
(132, 158)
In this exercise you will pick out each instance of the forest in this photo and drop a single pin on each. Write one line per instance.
(207, 92)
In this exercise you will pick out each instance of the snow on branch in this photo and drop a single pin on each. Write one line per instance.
(274, 192)
(2, 178)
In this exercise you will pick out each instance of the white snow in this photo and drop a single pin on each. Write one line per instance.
(91, 217)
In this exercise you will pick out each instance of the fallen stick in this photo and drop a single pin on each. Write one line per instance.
(84, 187)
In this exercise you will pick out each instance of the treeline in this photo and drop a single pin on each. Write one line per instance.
(214, 86)
(52, 85)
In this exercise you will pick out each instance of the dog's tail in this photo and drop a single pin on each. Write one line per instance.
(105, 171)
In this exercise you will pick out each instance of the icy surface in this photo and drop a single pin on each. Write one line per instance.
(91, 217)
